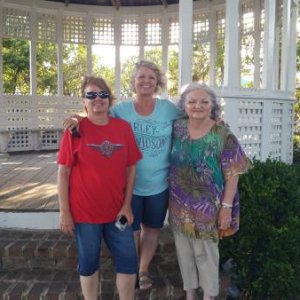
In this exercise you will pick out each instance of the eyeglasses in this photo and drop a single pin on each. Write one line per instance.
(93, 95)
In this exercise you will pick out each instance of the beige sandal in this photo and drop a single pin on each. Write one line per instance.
(145, 281)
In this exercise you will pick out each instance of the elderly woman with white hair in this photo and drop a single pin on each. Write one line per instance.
(206, 160)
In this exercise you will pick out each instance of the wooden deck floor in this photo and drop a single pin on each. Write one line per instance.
(28, 182)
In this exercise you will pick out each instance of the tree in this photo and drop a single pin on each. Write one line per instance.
(16, 74)
(46, 61)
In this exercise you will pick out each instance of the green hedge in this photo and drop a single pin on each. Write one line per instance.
(266, 250)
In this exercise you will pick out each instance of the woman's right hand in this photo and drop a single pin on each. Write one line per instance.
(71, 122)
(66, 222)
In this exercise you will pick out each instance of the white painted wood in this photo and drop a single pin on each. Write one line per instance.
(59, 35)
(185, 41)
(89, 42)
(232, 51)
(291, 67)
(286, 43)
(266, 130)
(213, 44)
(269, 45)
(33, 31)
(117, 55)
(165, 45)
(1, 51)
(29, 220)
(142, 34)
(257, 45)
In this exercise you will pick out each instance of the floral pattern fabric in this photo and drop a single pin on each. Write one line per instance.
(199, 170)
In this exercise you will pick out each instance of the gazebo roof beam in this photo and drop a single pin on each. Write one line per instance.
(164, 2)
(116, 3)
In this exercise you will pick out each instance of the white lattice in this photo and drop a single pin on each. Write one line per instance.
(17, 113)
(276, 130)
(20, 141)
(16, 23)
(47, 27)
(248, 18)
(220, 28)
(103, 31)
(250, 126)
(74, 30)
(173, 31)
(201, 28)
(50, 139)
(153, 31)
(130, 32)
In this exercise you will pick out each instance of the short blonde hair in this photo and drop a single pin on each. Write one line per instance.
(160, 76)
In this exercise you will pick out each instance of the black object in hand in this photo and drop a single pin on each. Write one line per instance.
(75, 132)
(121, 223)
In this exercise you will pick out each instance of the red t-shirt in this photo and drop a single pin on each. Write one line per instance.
(98, 160)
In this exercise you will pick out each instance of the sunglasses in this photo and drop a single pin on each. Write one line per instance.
(93, 95)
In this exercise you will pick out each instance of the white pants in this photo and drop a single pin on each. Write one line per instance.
(199, 263)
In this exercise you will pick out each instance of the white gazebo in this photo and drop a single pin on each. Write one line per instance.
(249, 46)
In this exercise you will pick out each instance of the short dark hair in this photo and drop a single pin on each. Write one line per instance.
(99, 82)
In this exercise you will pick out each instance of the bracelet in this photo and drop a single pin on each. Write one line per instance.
(226, 205)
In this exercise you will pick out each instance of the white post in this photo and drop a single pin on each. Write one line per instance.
(185, 41)
(232, 51)
(285, 46)
(257, 43)
(287, 133)
(165, 43)
(1, 49)
(142, 38)
(89, 43)
(213, 44)
(117, 42)
(291, 68)
(269, 45)
(33, 32)
(59, 35)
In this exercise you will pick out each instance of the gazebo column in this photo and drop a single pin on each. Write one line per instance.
(288, 71)
(1, 49)
(33, 31)
(289, 46)
(117, 43)
(89, 42)
(285, 49)
(232, 62)
(232, 49)
(165, 43)
(257, 42)
(269, 45)
(185, 41)
(213, 43)
(142, 38)
(59, 34)
(268, 80)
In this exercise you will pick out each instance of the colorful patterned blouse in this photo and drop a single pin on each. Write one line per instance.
(199, 169)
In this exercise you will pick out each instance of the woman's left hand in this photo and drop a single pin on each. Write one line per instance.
(224, 219)
(127, 212)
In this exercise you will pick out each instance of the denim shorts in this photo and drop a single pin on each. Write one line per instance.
(120, 243)
(150, 210)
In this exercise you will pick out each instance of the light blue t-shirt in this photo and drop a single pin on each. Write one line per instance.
(153, 134)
